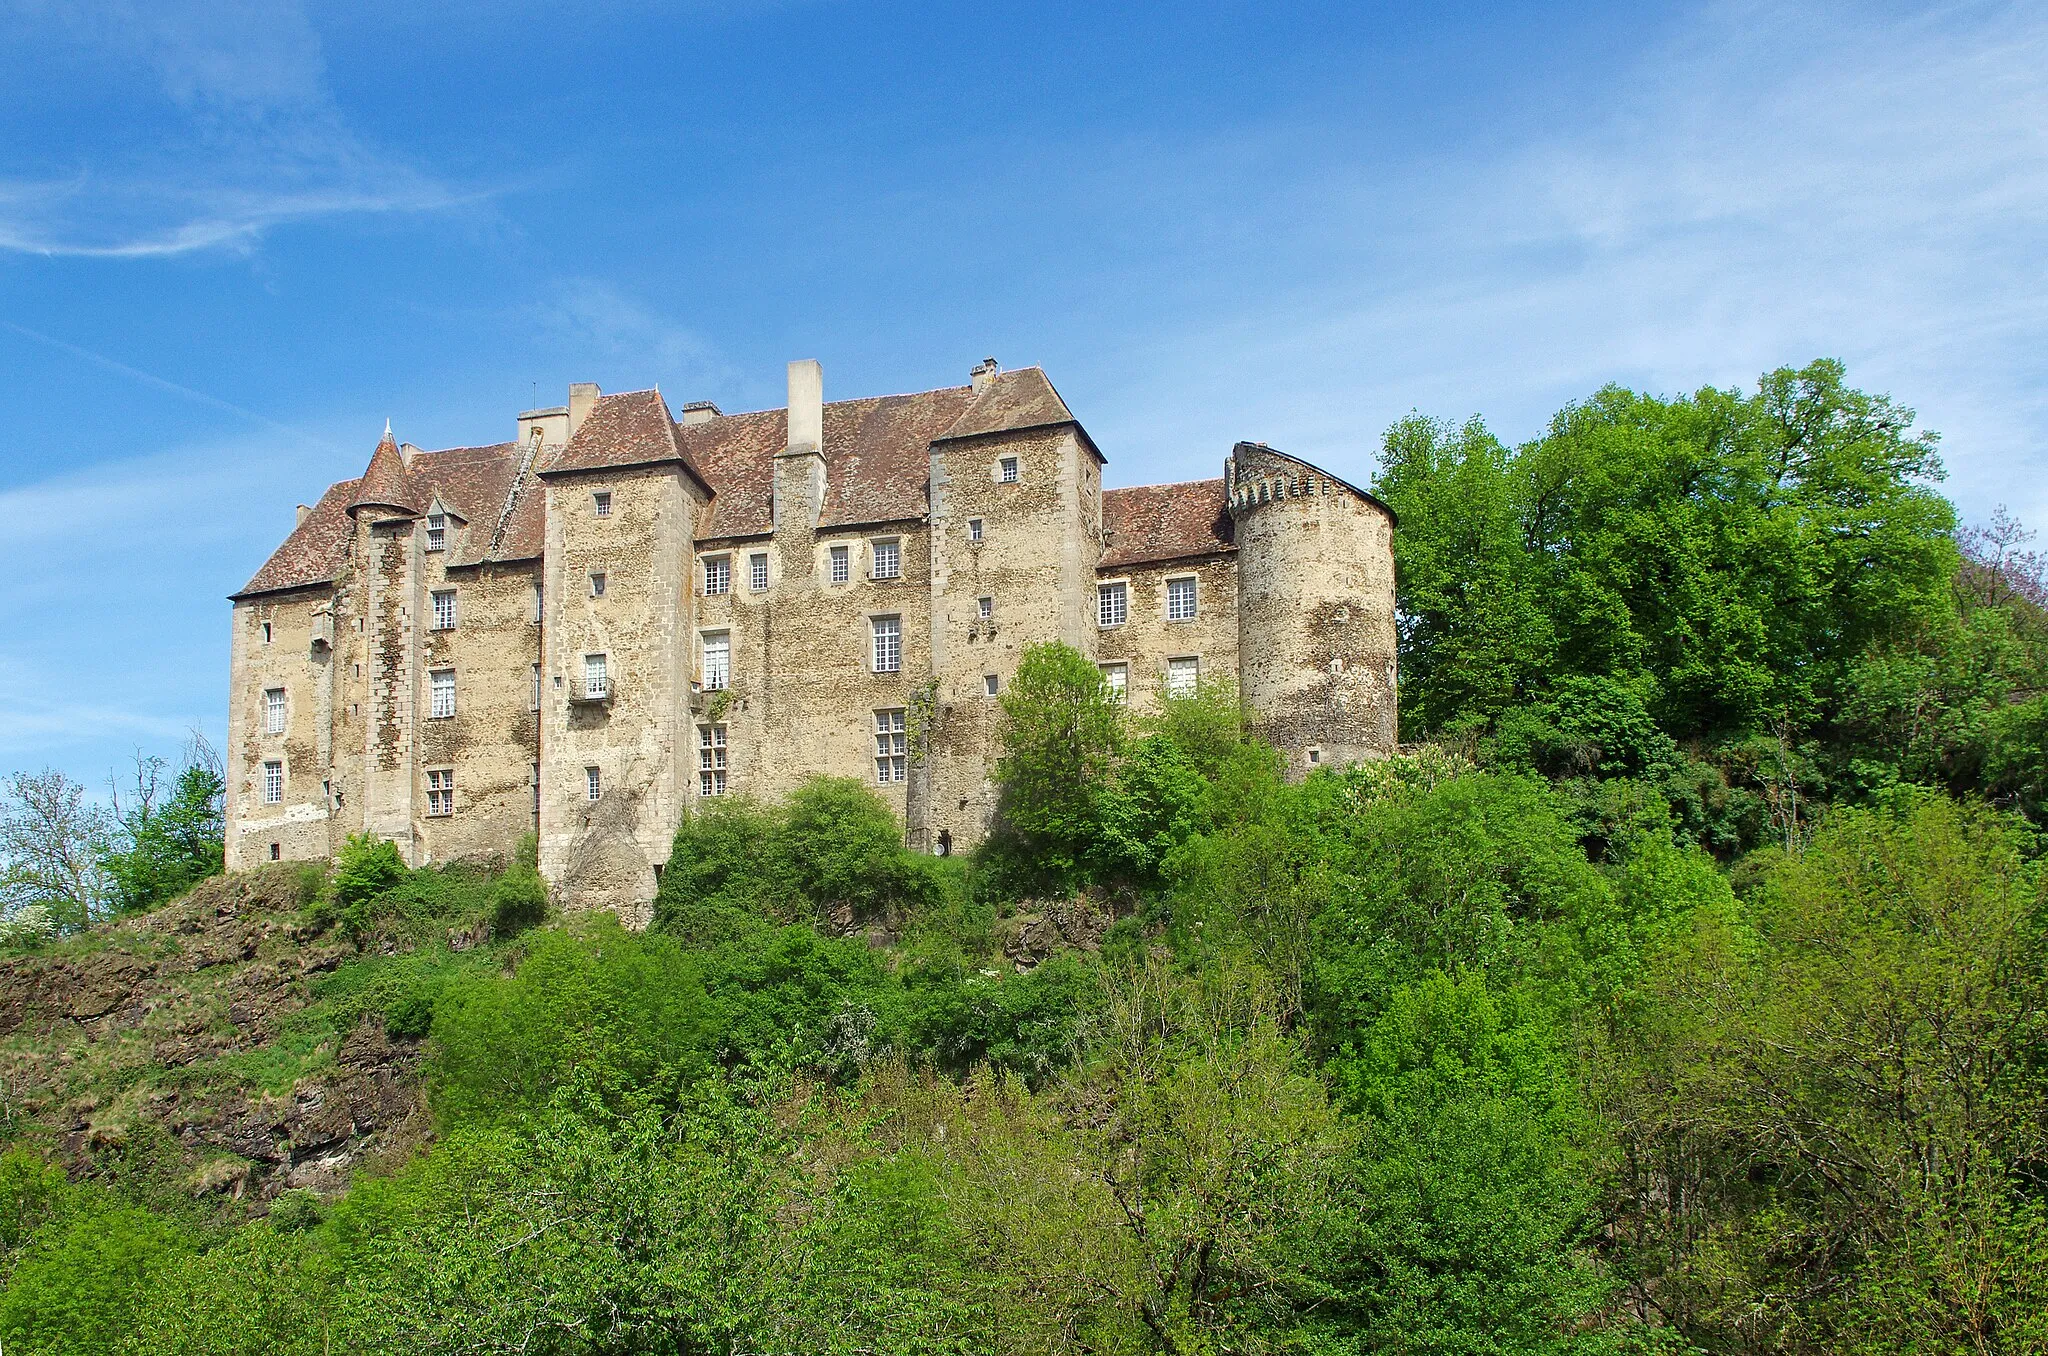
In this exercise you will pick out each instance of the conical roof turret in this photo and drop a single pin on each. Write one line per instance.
(385, 484)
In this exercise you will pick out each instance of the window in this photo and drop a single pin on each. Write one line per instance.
(984, 607)
(757, 571)
(1112, 604)
(888, 560)
(1180, 599)
(601, 502)
(266, 633)
(717, 660)
(536, 789)
(597, 584)
(540, 610)
(276, 851)
(974, 529)
(988, 684)
(1181, 676)
(444, 609)
(717, 574)
(892, 746)
(437, 531)
(593, 783)
(710, 760)
(533, 691)
(440, 791)
(1006, 470)
(273, 783)
(841, 569)
(1315, 756)
(597, 679)
(441, 687)
(1117, 678)
(273, 710)
(888, 644)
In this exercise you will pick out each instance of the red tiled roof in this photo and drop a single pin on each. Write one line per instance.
(316, 548)
(1165, 522)
(385, 484)
(1014, 400)
(633, 428)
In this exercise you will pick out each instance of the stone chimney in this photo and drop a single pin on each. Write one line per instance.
(800, 467)
(303, 510)
(700, 412)
(582, 400)
(984, 374)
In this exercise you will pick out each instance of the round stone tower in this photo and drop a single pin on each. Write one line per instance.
(1315, 609)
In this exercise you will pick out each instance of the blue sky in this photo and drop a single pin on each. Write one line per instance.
(235, 237)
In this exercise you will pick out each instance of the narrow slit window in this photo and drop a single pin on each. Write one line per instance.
(266, 633)
(593, 783)
(533, 692)
(892, 746)
(974, 529)
(597, 584)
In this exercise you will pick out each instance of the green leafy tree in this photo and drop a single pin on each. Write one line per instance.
(1063, 731)
(170, 838)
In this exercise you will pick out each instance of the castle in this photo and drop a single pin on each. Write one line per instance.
(581, 632)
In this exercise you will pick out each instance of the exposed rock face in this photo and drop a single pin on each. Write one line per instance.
(1040, 928)
(171, 1026)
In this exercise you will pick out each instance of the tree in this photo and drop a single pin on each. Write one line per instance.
(1063, 731)
(170, 838)
(54, 844)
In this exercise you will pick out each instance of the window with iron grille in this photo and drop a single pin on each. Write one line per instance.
(437, 531)
(717, 574)
(441, 690)
(888, 560)
(444, 609)
(711, 760)
(757, 571)
(1181, 676)
(273, 783)
(601, 500)
(717, 660)
(597, 678)
(842, 568)
(1006, 470)
(1180, 599)
(888, 644)
(1117, 677)
(441, 791)
(1112, 604)
(273, 710)
(593, 783)
(892, 745)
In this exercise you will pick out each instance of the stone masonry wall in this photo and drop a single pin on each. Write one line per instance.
(287, 660)
(1148, 640)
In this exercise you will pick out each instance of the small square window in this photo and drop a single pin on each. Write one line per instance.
(597, 678)
(1117, 678)
(276, 852)
(1315, 756)
(1180, 599)
(984, 607)
(273, 710)
(892, 745)
(717, 574)
(1112, 604)
(888, 636)
(440, 791)
(444, 609)
(1181, 676)
(841, 569)
(437, 532)
(988, 684)
(593, 783)
(1006, 470)
(757, 571)
(974, 529)
(441, 687)
(273, 783)
(888, 560)
(601, 503)
(597, 584)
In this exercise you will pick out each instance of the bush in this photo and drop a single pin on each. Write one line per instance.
(842, 848)
(519, 900)
(365, 868)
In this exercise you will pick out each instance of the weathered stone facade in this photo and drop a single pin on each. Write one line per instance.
(581, 632)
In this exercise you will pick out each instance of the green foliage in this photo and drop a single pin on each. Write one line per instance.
(170, 843)
(1063, 732)
(519, 900)
(364, 869)
(79, 1285)
(841, 848)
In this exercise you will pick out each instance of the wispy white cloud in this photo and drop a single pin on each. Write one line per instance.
(598, 321)
(233, 132)
(1779, 183)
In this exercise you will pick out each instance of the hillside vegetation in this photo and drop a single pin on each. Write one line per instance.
(1678, 989)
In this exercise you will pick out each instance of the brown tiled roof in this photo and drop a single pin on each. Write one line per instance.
(633, 428)
(1165, 522)
(1014, 400)
(385, 484)
(316, 548)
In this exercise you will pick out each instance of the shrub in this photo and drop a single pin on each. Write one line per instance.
(365, 868)
(519, 900)
(841, 847)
